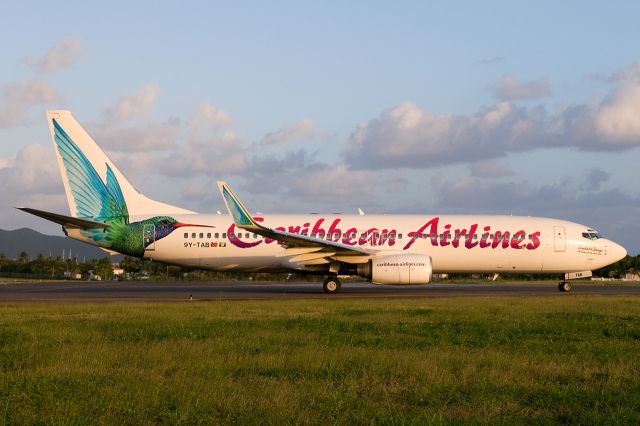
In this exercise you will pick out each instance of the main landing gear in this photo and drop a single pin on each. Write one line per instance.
(564, 286)
(331, 285)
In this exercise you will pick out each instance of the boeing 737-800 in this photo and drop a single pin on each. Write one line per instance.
(106, 211)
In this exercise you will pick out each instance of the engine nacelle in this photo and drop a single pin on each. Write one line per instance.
(399, 269)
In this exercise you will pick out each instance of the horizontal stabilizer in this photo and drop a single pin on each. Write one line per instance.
(63, 220)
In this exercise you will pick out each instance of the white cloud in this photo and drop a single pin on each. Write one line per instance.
(618, 118)
(18, 98)
(303, 129)
(133, 105)
(508, 88)
(335, 182)
(300, 176)
(33, 171)
(205, 120)
(64, 54)
(209, 149)
(406, 136)
(150, 137)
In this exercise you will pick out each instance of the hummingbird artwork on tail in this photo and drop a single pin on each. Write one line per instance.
(98, 201)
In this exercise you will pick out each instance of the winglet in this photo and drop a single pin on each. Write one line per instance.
(241, 216)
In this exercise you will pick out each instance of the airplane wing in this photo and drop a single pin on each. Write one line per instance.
(75, 222)
(317, 247)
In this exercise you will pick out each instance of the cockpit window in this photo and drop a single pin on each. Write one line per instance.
(591, 235)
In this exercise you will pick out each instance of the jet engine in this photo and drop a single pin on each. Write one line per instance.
(399, 269)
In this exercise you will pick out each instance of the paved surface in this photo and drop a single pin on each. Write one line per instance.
(80, 291)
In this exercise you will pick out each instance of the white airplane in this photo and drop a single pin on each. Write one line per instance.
(106, 211)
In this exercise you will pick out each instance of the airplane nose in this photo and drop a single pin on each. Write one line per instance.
(617, 252)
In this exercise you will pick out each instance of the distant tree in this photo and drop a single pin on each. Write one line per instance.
(103, 268)
(23, 257)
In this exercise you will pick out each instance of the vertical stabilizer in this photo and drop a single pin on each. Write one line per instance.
(95, 187)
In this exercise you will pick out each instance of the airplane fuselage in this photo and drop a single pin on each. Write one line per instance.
(455, 243)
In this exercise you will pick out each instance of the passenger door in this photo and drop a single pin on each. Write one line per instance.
(149, 236)
(559, 238)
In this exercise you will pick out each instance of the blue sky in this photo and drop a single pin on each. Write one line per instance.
(471, 107)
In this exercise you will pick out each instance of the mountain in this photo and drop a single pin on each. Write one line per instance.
(12, 243)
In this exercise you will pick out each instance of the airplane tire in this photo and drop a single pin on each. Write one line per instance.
(564, 287)
(331, 285)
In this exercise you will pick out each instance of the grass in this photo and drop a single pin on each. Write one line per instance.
(460, 360)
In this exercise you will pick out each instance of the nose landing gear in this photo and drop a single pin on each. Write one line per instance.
(331, 285)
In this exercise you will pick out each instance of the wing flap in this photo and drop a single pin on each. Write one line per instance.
(304, 258)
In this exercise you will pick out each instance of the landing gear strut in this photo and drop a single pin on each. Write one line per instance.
(331, 285)
(564, 286)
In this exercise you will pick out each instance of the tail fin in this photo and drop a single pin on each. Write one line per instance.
(95, 187)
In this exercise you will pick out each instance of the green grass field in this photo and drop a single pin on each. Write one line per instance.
(449, 360)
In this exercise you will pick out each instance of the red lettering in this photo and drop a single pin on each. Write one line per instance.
(483, 241)
(535, 241)
(387, 235)
(317, 230)
(333, 233)
(351, 232)
(517, 239)
(501, 238)
(294, 229)
(444, 241)
(433, 231)
(472, 233)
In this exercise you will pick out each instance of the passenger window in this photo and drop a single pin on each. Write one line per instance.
(399, 236)
(246, 235)
(186, 235)
(193, 235)
(208, 234)
(217, 235)
(255, 235)
(201, 235)
(224, 235)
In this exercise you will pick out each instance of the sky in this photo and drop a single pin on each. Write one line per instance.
(523, 108)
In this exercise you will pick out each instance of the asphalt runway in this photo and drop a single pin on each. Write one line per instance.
(83, 291)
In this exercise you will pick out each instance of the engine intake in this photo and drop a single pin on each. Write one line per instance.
(399, 269)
